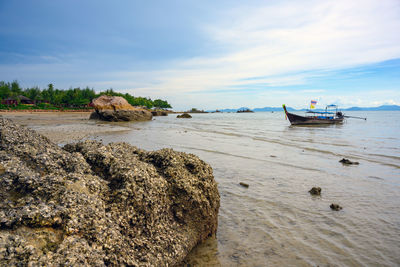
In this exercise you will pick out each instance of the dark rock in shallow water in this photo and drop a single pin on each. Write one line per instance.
(244, 184)
(316, 191)
(348, 162)
(95, 204)
(335, 207)
(184, 116)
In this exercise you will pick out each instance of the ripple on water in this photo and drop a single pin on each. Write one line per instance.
(275, 222)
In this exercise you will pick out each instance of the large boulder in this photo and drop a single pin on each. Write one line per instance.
(116, 108)
(94, 204)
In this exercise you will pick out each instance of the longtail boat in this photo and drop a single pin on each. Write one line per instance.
(331, 115)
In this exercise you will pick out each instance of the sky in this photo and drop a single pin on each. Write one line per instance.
(209, 54)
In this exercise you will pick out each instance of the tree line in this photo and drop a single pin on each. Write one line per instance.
(73, 97)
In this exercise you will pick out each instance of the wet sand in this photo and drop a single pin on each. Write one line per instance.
(64, 127)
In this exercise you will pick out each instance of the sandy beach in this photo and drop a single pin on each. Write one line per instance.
(64, 127)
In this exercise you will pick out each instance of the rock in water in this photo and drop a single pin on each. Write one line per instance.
(116, 108)
(184, 116)
(95, 204)
(348, 162)
(335, 207)
(315, 191)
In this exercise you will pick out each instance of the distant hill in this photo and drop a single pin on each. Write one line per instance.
(265, 109)
(223, 110)
(269, 109)
(380, 108)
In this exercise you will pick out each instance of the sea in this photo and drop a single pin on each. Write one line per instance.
(275, 221)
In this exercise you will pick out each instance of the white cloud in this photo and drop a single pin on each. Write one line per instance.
(285, 43)
(279, 44)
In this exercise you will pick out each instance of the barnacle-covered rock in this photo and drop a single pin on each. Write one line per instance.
(95, 204)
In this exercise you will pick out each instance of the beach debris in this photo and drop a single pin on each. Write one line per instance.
(348, 162)
(244, 184)
(315, 191)
(91, 204)
(272, 156)
(335, 207)
(116, 108)
(184, 116)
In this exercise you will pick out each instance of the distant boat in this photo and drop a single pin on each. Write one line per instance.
(331, 115)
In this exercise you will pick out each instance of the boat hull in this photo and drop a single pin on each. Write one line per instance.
(302, 120)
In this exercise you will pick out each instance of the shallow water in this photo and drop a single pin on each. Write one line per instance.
(276, 221)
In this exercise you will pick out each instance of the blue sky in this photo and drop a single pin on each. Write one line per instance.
(209, 55)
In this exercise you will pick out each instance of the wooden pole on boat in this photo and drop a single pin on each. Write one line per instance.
(353, 117)
(284, 108)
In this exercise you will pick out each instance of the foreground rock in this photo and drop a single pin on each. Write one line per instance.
(116, 108)
(95, 204)
(184, 116)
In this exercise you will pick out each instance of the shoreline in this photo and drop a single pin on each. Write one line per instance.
(64, 126)
(44, 110)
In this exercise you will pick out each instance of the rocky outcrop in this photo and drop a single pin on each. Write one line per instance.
(95, 204)
(159, 113)
(184, 116)
(116, 108)
(106, 102)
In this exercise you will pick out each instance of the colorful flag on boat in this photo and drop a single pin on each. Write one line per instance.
(313, 103)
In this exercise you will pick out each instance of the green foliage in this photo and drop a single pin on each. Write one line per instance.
(4, 106)
(45, 106)
(158, 103)
(5, 90)
(33, 93)
(68, 99)
(15, 88)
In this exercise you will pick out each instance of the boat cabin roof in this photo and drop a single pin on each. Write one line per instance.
(319, 112)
